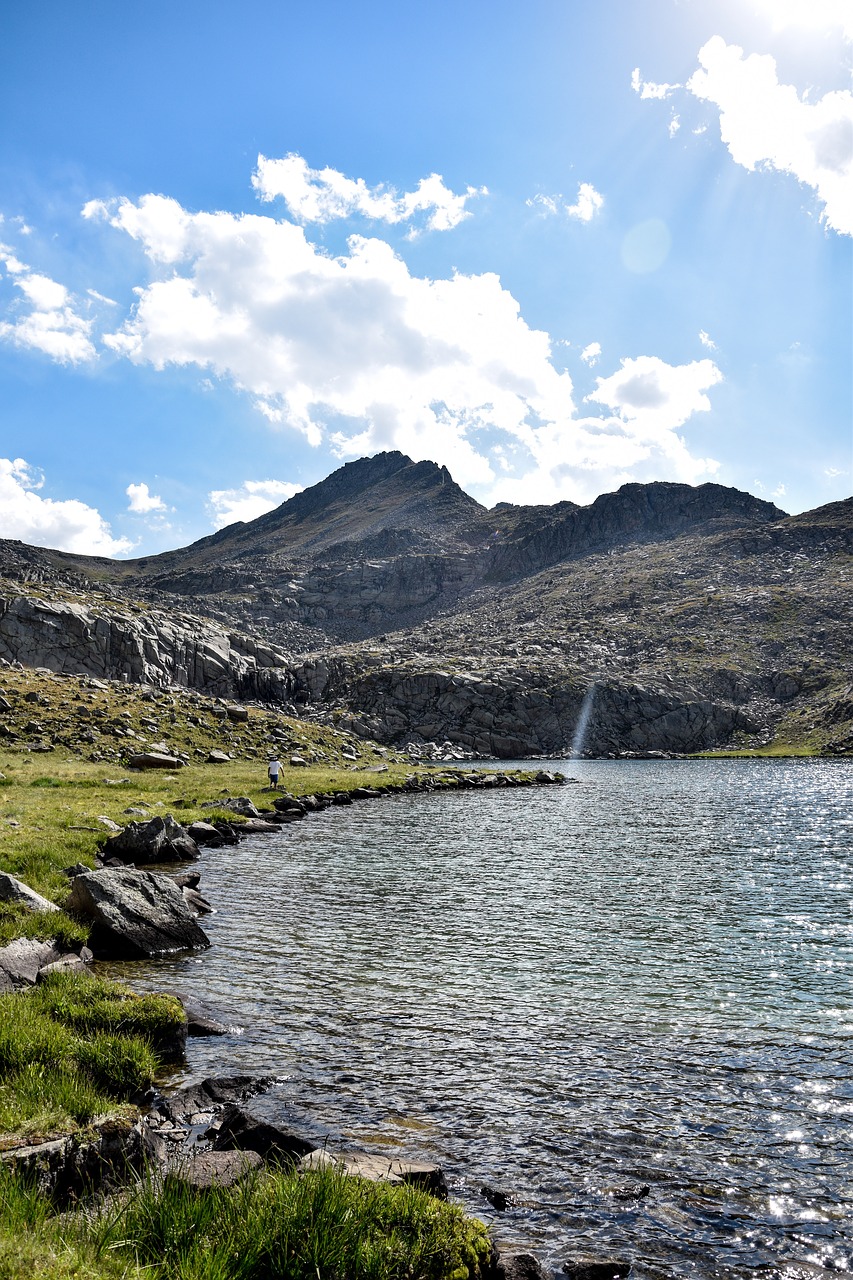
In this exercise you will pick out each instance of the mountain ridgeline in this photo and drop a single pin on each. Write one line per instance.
(389, 600)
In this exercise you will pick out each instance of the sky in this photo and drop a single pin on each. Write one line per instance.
(556, 246)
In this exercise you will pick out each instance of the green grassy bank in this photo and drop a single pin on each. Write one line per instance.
(321, 1225)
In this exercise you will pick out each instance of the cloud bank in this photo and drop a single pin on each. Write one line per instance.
(68, 525)
(356, 352)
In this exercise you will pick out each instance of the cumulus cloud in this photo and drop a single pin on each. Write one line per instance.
(356, 352)
(655, 395)
(254, 498)
(44, 317)
(648, 89)
(589, 202)
(321, 195)
(767, 124)
(142, 501)
(590, 354)
(67, 525)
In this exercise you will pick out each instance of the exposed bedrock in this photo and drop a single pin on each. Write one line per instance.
(515, 715)
(145, 647)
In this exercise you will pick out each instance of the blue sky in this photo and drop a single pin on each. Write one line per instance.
(555, 246)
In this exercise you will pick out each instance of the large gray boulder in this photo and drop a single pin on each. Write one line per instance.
(160, 840)
(135, 914)
(12, 890)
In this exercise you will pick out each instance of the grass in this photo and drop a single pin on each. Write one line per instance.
(321, 1225)
(51, 800)
(71, 1048)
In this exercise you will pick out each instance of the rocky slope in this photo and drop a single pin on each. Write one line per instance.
(665, 617)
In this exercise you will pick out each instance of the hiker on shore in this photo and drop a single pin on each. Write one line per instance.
(274, 769)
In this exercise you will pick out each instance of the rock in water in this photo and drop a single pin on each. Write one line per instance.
(160, 840)
(135, 914)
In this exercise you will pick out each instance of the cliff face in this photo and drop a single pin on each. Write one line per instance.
(665, 617)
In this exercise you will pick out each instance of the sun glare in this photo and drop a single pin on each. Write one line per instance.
(815, 15)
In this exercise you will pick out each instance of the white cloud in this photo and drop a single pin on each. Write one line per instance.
(51, 323)
(591, 353)
(357, 352)
(707, 341)
(254, 498)
(674, 125)
(832, 473)
(588, 204)
(321, 195)
(648, 89)
(767, 124)
(657, 396)
(779, 491)
(142, 501)
(67, 525)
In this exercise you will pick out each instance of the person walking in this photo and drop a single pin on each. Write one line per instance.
(274, 769)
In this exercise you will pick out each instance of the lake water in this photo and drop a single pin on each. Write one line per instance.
(572, 994)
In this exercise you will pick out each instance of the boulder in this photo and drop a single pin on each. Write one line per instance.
(160, 840)
(20, 962)
(202, 1020)
(376, 1168)
(218, 757)
(237, 804)
(240, 1130)
(12, 890)
(215, 1169)
(204, 833)
(135, 914)
(211, 1094)
(154, 760)
(517, 1266)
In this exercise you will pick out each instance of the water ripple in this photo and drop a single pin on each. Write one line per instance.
(640, 980)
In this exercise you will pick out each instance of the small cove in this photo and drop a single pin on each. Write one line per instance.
(642, 980)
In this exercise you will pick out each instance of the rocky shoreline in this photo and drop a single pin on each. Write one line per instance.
(206, 1134)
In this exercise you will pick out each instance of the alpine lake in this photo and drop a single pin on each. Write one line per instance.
(624, 1002)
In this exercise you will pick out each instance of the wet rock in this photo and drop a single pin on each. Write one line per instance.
(205, 834)
(160, 840)
(594, 1269)
(258, 827)
(240, 1130)
(212, 1093)
(498, 1199)
(135, 914)
(377, 1168)
(517, 1266)
(196, 901)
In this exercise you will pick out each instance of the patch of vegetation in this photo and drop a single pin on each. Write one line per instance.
(319, 1226)
(72, 1047)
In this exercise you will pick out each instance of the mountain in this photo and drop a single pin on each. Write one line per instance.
(388, 598)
